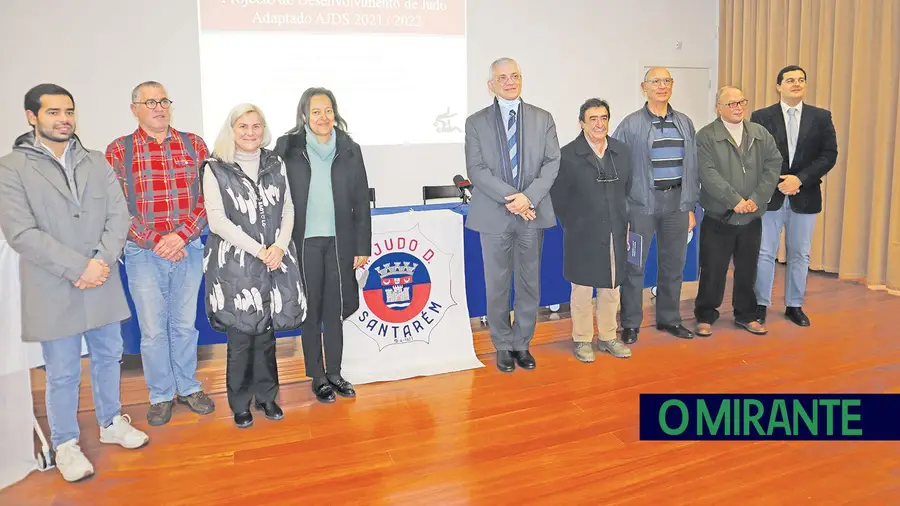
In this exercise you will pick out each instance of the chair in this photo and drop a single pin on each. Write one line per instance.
(440, 192)
(372, 197)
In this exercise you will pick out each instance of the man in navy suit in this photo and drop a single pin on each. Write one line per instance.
(806, 138)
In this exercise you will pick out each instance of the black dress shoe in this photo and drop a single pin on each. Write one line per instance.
(796, 315)
(629, 336)
(271, 410)
(678, 331)
(324, 392)
(341, 386)
(761, 314)
(505, 361)
(524, 359)
(243, 420)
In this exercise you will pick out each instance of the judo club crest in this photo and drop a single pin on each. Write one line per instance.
(405, 289)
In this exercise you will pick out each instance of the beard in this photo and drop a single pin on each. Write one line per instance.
(51, 135)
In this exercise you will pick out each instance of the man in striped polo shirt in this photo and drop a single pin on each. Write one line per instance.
(664, 192)
(666, 153)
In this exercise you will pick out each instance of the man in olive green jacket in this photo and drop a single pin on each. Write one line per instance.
(739, 169)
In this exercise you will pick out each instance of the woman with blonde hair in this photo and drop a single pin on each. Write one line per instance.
(253, 284)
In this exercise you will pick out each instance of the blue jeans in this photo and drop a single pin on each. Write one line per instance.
(63, 365)
(797, 238)
(165, 298)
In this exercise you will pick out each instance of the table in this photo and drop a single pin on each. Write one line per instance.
(554, 288)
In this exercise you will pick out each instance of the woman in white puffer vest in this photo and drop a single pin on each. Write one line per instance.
(253, 284)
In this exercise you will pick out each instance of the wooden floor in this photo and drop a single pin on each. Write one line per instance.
(563, 434)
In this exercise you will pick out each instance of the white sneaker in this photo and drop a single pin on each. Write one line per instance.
(72, 464)
(122, 433)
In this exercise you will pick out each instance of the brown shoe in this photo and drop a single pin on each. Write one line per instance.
(160, 413)
(754, 327)
(704, 329)
(198, 402)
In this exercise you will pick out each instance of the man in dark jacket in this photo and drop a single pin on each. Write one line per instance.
(739, 167)
(805, 136)
(590, 198)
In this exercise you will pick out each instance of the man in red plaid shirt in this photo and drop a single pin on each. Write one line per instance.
(158, 169)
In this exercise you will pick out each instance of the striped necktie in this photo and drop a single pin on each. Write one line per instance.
(511, 137)
(792, 134)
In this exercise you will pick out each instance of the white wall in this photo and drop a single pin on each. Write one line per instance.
(569, 51)
(98, 50)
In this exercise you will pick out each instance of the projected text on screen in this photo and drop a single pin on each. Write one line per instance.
(397, 67)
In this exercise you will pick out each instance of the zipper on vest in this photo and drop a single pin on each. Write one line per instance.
(260, 208)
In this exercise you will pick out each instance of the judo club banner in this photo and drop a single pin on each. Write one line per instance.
(413, 317)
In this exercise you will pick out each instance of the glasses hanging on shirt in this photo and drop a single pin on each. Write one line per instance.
(603, 177)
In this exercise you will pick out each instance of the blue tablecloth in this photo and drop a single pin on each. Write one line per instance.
(554, 288)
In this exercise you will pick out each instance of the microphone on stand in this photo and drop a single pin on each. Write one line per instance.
(462, 184)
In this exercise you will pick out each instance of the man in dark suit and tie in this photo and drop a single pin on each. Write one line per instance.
(807, 141)
(512, 158)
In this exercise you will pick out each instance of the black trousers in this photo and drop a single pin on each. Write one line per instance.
(323, 288)
(719, 244)
(251, 370)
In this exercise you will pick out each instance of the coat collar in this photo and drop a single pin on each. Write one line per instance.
(653, 116)
(27, 144)
(721, 133)
(777, 120)
(494, 108)
(583, 147)
(141, 136)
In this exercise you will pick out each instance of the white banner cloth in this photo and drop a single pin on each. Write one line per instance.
(413, 318)
(17, 419)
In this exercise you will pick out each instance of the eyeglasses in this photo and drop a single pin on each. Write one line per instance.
(151, 104)
(607, 178)
(734, 105)
(659, 81)
(503, 79)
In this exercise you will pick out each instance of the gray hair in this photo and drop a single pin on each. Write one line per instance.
(303, 110)
(498, 62)
(224, 146)
(722, 90)
(136, 92)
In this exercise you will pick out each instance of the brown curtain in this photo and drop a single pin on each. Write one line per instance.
(850, 50)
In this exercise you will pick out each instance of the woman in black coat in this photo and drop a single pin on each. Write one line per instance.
(590, 199)
(332, 230)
